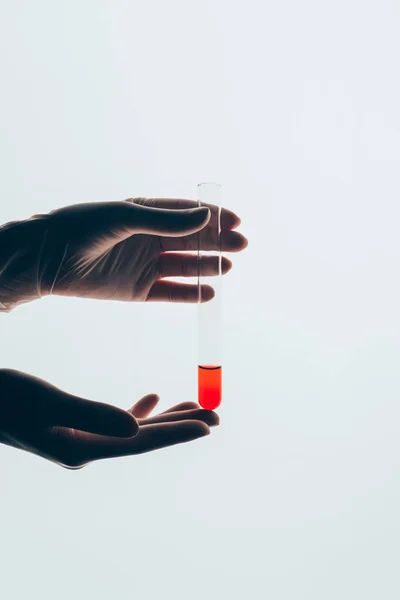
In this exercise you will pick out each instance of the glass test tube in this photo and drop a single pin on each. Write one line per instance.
(210, 312)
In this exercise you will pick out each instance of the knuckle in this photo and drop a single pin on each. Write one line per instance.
(143, 201)
(140, 201)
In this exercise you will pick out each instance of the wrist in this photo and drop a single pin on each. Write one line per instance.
(21, 267)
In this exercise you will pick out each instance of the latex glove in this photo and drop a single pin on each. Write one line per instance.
(71, 431)
(114, 251)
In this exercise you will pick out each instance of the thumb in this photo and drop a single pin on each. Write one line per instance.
(126, 218)
(93, 417)
(174, 223)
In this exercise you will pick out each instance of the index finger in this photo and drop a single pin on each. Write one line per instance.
(229, 219)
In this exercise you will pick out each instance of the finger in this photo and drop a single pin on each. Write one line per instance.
(94, 417)
(189, 265)
(228, 219)
(182, 406)
(113, 222)
(144, 406)
(230, 241)
(206, 416)
(134, 218)
(166, 222)
(150, 437)
(171, 291)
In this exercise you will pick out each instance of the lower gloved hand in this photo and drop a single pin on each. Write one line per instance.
(72, 432)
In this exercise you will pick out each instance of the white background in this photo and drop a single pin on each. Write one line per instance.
(294, 108)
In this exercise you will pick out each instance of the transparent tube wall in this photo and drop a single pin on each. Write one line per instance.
(210, 312)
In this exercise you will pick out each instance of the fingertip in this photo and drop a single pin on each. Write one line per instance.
(182, 406)
(207, 293)
(209, 417)
(199, 429)
(186, 431)
(233, 241)
(213, 419)
(229, 219)
(206, 430)
(150, 399)
(226, 265)
(144, 406)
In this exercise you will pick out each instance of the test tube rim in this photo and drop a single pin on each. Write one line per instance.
(209, 183)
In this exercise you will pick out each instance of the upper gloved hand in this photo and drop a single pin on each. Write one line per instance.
(114, 251)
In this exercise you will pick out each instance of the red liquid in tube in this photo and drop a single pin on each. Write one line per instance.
(210, 386)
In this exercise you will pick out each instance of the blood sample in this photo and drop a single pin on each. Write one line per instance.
(210, 312)
(210, 386)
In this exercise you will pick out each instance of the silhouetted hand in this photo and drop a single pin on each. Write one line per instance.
(114, 251)
(72, 432)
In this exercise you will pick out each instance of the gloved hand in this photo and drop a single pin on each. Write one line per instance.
(70, 431)
(114, 251)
